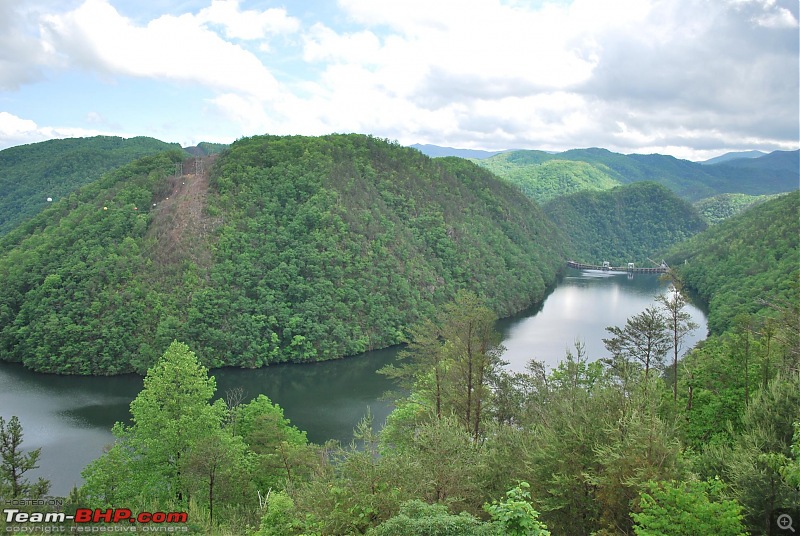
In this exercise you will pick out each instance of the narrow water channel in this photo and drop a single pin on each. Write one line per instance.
(70, 418)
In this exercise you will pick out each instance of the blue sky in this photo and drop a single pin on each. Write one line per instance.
(691, 78)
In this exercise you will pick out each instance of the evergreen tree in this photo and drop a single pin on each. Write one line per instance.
(644, 338)
(14, 463)
(687, 509)
(679, 323)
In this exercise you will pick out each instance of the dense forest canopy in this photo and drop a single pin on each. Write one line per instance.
(598, 169)
(720, 207)
(289, 249)
(553, 178)
(626, 224)
(30, 174)
(743, 263)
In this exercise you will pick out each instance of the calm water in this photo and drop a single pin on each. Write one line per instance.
(580, 309)
(71, 417)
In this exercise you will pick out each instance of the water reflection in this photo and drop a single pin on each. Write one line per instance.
(580, 309)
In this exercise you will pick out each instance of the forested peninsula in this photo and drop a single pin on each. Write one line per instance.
(625, 224)
(278, 249)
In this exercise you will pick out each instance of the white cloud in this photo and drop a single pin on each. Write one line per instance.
(95, 36)
(21, 54)
(324, 44)
(18, 131)
(781, 18)
(688, 75)
(248, 24)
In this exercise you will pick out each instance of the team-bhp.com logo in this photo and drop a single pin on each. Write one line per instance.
(85, 517)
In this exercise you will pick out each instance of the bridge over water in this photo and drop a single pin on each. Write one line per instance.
(630, 268)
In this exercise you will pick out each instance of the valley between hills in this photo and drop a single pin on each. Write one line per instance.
(120, 256)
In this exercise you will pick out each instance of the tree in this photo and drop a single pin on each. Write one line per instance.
(170, 416)
(644, 338)
(219, 469)
(767, 436)
(281, 450)
(515, 514)
(472, 344)
(424, 364)
(679, 323)
(15, 463)
(687, 509)
(279, 519)
(417, 518)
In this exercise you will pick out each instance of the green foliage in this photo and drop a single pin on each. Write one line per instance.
(281, 451)
(171, 419)
(14, 463)
(594, 168)
(767, 434)
(279, 519)
(625, 224)
(80, 293)
(545, 180)
(645, 338)
(29, 174)
(417, 518)
(721, 207)
(688, 509)
(454, 361)
(747, 264)
(336, 245)
(301, 249)
(515, 514)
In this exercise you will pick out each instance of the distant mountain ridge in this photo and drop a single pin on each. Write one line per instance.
(205, 148)
(436, 151)
(776, 172)
(727, 157)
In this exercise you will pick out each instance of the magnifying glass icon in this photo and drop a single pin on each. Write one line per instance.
(785, 522)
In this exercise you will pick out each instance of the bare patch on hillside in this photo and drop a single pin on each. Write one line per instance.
(181, 224)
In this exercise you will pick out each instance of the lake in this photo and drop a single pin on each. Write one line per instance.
(70, 418)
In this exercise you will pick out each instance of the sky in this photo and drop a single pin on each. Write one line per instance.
(689, 78)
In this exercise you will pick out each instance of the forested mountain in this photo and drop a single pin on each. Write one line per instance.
(205, 148)
(720, 207)
(436, 151)
(543, 178)
(748, 258)
(626, 224)
(693, 181)
(293, 248)
(30, 174)
(727, 157)
(788, 161)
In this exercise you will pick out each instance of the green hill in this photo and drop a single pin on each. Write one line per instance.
(205, 148)
(734, 265)
(626, 224)
(777, 160)
(290, 249)
(720, 207)
(769, 174)
(542, 178)
(30, 174)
